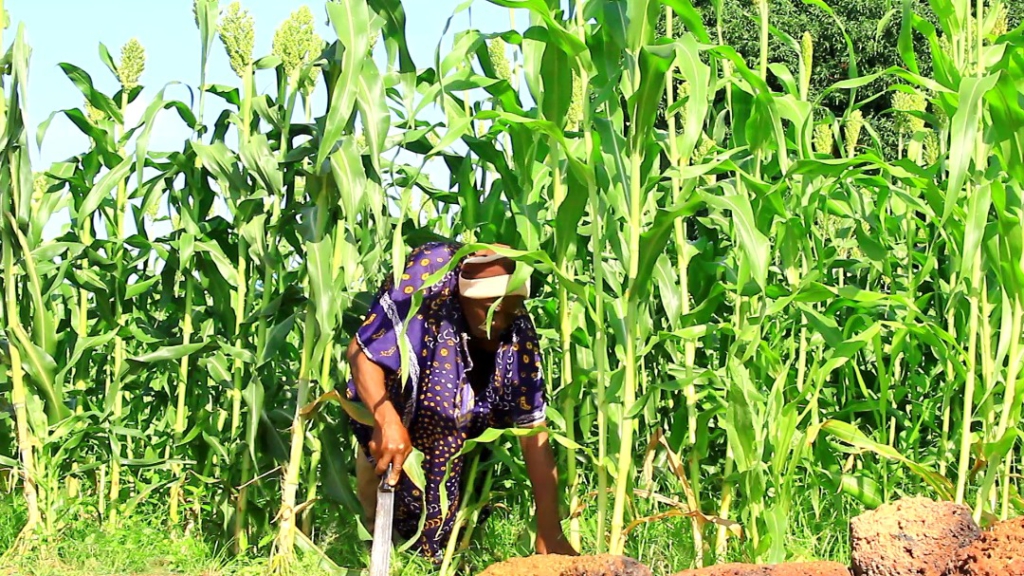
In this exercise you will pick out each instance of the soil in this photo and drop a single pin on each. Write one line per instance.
(999, 552)
(793, 569)
(555, 565)
(910, 537)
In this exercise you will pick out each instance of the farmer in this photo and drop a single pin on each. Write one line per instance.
(464, 377)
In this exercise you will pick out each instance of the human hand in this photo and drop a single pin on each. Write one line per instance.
(390, 444)
(555, 544)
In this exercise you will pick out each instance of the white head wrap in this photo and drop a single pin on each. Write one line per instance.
(492, 287)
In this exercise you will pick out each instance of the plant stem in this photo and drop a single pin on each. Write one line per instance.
(119, 353)
(721, 544)
(565, 343)
(600, 343)
(968, 407)
(682, 261)
(179, 413)
(19, 394)
(762, 7)
(625, 462)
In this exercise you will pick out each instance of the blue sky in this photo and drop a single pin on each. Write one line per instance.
(71, 31)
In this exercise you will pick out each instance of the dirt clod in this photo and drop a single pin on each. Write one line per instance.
(555, 565)
(792, 569)
(999, 552)
(910, 537)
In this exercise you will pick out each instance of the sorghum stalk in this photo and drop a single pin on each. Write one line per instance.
(133, 61)
(969, 385)
(721, 544)
(236, 30)
(565, 343)
(19, 393)
(182, 389)
(460, 518)
(762, 9)
(975, 288)
(990, 425)
(284, 544)
(296, 43)
(629, 388)
(689, 350)
(1009, 399)
(947, 407)
(600, 344)
(25, 439)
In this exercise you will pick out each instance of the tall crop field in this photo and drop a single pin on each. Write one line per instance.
(754, 315)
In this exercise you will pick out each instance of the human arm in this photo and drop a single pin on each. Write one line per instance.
(373, 353)
(543, 473)
(527, 396)
(390, 443)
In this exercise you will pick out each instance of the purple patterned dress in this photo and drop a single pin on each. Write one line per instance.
(439, 405)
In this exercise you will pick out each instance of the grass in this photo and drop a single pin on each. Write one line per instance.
(142, 546)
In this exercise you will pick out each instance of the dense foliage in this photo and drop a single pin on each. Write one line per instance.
(755, 314)
(873, 27)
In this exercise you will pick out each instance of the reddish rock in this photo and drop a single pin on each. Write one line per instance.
(792, 569)
(999, 552)
(910, 537)
(555, 565)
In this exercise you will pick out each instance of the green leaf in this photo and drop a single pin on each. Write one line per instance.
(394, 37)
(335, 475)
(82, 345)
(41, 368)
(905, 43)
(743, 417)
(691, 18)
(136, 288)
(222, 163)
(276, 338)
(348, 173)
(556, 77)
(321, 282)
(849, 434)
(753, 243)
(698, 76)
(253, 396)
(653, 243)
(974, 230)
(570, 211)
(351, 21)
(105, 188)
(963, 129)
(373, 110)
(258, 158)
(643, 16)
(863, 488)
(644, 103)
(176, 352)
(84, 82)
(206, 17)
(559, 35)
(225, 266)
